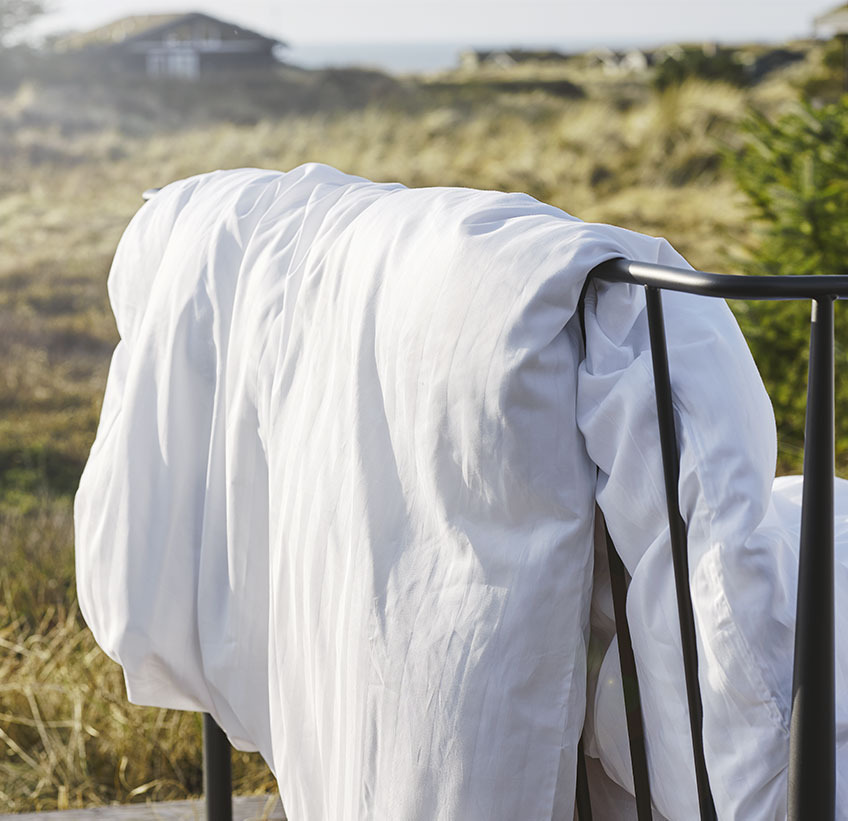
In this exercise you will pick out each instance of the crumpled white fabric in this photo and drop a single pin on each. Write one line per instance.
(340, 496)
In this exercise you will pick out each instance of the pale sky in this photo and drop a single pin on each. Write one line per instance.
(476, 21)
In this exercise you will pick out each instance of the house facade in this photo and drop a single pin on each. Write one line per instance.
(833, 22)
(185, 46)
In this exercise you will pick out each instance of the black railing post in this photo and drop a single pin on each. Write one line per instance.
(217, 772)
(679, 547)
(583, 801)
(629, 683)
(812, 757)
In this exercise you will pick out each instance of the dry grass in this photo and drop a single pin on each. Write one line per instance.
(75, 162)
(68, 736)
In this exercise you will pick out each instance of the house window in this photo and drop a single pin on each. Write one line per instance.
(183, 63)
(173, 62)
(157, 63)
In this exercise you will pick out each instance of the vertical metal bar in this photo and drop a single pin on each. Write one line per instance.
(630, 684)
(812, 757)
(583, 801)
(677, 534)
(217, 772)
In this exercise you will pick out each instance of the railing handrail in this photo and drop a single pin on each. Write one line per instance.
(727, 286)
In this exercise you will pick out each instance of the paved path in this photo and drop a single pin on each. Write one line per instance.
(245, 808)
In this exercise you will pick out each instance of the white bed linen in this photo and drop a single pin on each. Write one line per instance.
(339, 498)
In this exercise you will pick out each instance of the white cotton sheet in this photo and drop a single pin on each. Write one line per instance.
(338, 497)
(342, 497)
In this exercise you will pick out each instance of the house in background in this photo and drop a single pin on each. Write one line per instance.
(834, 21)
(835, 24)
(174, 45)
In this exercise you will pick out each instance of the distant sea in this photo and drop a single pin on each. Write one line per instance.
(400, 58)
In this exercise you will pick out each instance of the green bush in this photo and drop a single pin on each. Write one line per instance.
(794, 173)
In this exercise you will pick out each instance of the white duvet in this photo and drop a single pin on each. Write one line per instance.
(342, 498)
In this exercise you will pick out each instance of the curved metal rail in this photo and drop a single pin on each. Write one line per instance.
(726, 286)
(812, 760)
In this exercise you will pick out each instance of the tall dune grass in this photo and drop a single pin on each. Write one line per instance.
(68, 736)
(75, 163)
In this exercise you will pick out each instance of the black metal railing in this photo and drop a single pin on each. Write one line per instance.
(217, 772)
(812, 755)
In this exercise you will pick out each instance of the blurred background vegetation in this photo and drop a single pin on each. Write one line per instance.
(738, 156)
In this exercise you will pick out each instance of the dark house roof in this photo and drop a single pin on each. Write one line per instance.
(151, 27)
(173, 45)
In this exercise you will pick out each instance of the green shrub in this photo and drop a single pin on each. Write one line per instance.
(794, 173)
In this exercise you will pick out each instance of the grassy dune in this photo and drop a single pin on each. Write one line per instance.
(75, 158)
